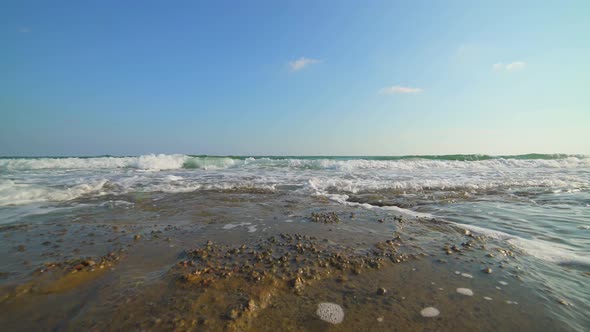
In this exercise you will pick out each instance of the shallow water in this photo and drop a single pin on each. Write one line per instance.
(532, 212)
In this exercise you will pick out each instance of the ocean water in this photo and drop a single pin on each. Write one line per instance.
(536, 203)
(539, 202)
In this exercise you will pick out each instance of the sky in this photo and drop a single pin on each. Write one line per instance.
(294, 77)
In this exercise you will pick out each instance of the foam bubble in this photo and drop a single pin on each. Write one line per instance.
(330, 312)
(465, 291)
(429, 312)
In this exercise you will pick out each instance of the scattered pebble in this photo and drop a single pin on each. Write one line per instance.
(487, 270)
(380, 319)
(457, 272)
(503, 283)
(465, 291)
(487, 298)
(330, 312)
(429, 312)
(498, 288)
(381, 291)
(511, 302)
(467, 275)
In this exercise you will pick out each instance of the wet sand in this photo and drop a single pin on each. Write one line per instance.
(257, 261)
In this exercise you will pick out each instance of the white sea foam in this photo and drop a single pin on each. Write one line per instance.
(429, 312)
(176, 161)
(544, 250)
(12, 193)
(330, 312)
(465, 291)
(145, 162)
(343, 199)
(231, 226)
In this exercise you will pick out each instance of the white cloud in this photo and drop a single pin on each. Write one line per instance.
(398, 89)
(302, 63)
(513, 66)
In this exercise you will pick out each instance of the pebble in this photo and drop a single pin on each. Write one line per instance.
(429, 312)
(467, 275)
(465, 291)
(487, 298)
(381, 291)
(503, 283)
(380, 319)
(487, 270)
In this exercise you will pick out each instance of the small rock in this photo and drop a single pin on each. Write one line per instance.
(487, 270)
(381, 291)
(137, 237)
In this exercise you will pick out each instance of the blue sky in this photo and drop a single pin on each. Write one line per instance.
(294, 77)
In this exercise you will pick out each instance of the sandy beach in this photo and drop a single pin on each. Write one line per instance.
(259, 260)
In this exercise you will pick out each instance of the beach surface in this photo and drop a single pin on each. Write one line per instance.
(174, 242)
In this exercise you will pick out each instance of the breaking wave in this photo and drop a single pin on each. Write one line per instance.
(181, 161)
